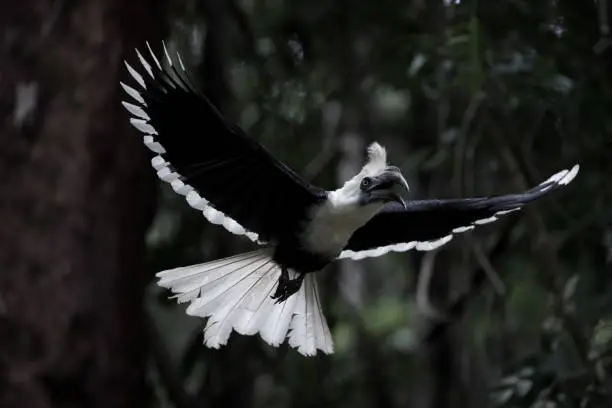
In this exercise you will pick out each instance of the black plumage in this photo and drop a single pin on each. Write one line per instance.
(237, 183)
(217, 158)
(430, 220)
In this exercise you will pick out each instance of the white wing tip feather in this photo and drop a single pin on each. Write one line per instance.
(563, 177)
(145, 64)
(435, 244)
(153, 57)
(167, 54)
(181, 188)
(486, 220)
(180, 60)
(158, 162)
(135, 110)
(133, 93)
(461, 230)
(141, 121)
(137, 77)
(571, 175)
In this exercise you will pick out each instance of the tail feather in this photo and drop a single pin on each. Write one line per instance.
(309, 330)
(187, 278)
(235, 294)
(258, 308)
(234, 311)
(276, 326)
(220, 294)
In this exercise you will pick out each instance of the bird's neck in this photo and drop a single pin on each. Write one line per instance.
(332, 225)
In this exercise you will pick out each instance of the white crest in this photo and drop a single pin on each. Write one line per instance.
(376, 165)
(377, 161)
(333, 223)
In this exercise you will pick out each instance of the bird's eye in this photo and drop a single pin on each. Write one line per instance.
(366, 182)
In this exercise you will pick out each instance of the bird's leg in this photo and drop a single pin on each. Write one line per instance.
(286, 286)
(282, 283)
(291, 287)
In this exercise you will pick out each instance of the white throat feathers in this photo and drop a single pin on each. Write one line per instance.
(333, 223)
(349, 193)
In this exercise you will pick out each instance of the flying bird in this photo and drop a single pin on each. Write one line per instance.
(236, 183)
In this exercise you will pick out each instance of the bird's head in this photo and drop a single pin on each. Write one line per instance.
(384, 187)
(376, 183)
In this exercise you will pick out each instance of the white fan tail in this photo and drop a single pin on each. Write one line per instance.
(235, 294)
(309, 330)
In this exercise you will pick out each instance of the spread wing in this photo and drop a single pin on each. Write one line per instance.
(429, 224)
(222, 172)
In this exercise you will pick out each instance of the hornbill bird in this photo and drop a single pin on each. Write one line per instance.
(236, 183)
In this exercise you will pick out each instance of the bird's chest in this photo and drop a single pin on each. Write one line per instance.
(330, 228)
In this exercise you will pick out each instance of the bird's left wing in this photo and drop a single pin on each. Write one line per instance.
(429, 224)
(221, 171)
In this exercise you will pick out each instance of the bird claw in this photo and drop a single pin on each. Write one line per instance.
(287, 287)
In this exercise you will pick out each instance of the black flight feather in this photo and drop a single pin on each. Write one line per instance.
(216, 159)
(436, 221)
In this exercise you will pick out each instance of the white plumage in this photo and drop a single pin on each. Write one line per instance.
(309, 330)
(235, 294)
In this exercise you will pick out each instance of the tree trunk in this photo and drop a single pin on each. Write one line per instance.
(76, 196)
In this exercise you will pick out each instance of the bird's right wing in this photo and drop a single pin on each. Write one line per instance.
(221, 171)
(428, 224)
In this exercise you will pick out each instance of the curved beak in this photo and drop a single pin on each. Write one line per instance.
(390, 186)
(394, 197)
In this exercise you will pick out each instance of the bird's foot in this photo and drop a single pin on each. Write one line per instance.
(287, 287)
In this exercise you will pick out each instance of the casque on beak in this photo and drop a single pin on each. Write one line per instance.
(390, 186)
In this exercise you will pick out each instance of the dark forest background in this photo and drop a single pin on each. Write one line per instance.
(470, 97)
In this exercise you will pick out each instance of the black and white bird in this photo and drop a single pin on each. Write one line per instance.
(238, 184)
